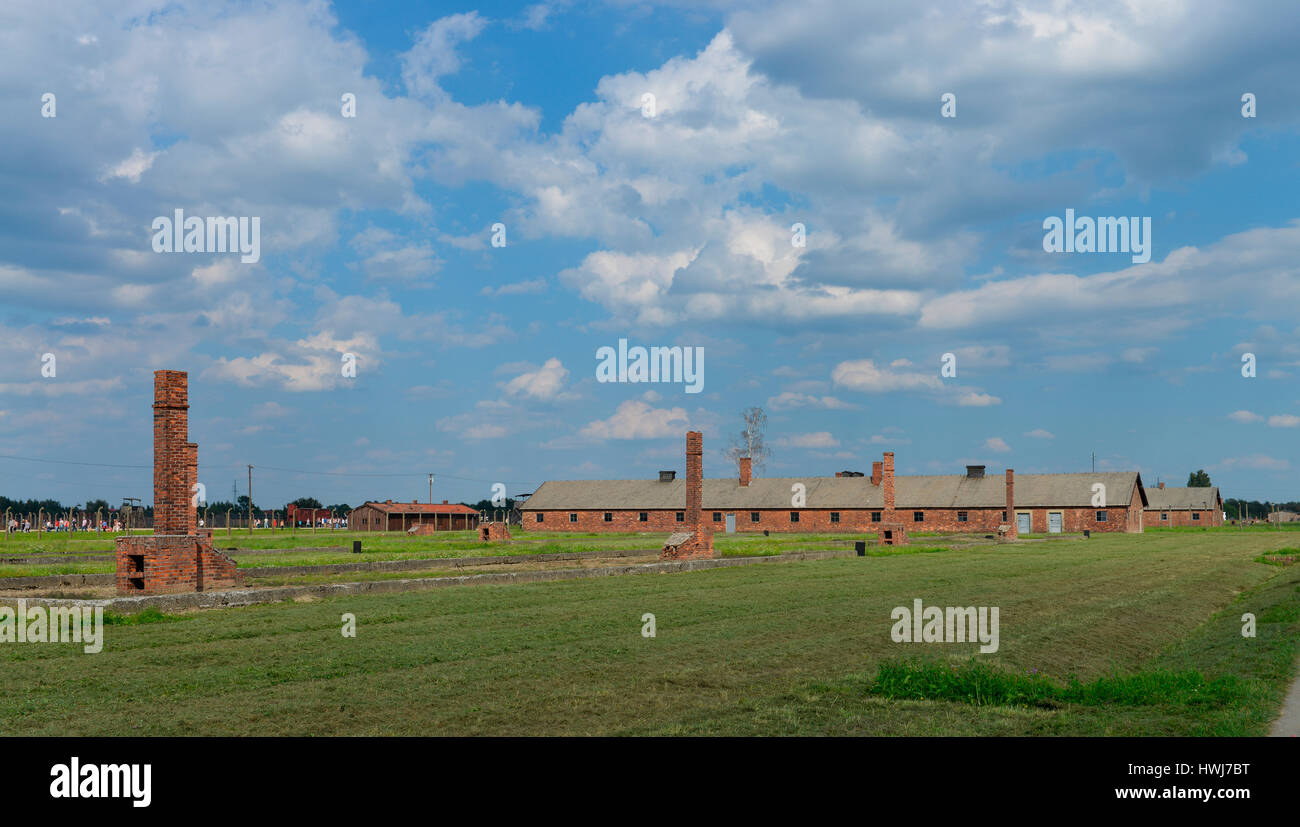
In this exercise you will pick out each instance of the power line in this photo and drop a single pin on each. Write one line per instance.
(270, 468)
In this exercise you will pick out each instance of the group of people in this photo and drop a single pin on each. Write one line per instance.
(24, 524)
(60, 524)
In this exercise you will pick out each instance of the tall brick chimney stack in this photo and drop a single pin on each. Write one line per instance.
(171, 425)
(887, 483)
(697, 539)
(1011, 504)
(175, 558)
(875, 473)
(746, 469)
(694, 479)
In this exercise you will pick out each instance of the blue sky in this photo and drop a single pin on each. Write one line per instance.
(477, 362)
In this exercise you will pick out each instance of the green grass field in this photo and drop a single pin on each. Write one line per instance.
(1146, 626)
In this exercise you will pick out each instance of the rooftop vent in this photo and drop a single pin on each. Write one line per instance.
(849, 474)
(667, 476)
(975, 472)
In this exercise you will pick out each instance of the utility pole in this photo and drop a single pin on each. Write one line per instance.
(250, 501)
(1094, 462)
(431, 489)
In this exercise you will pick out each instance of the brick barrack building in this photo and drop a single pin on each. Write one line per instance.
(1180, 507)
(849, 502)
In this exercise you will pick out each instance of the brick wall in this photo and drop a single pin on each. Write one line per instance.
(811, 520)
(1180, 519)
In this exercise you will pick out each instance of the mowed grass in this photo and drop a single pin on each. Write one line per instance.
(395, 546)
(780, 648)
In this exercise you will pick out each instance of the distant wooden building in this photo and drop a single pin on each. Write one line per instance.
(426, 517)
(305, 516)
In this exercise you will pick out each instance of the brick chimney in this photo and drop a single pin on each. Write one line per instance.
(694, 479)
(746, 471)
(171, 468)
(875, 473)
(887, 482)
(1162, 485)
(1011, 503)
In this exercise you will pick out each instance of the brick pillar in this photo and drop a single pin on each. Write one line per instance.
(746, 470)
(191, 480)
(1011, 503)
(887, 483)
(694, 479)
(875, 473)
(170, 435)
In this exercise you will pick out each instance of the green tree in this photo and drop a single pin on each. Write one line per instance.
(1198, 479)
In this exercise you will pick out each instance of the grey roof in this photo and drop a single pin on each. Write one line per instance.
(944, 491)
(1183, 499)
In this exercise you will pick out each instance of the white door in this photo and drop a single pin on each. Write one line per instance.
(1054, 522)
(1023, 524)
(731, 523)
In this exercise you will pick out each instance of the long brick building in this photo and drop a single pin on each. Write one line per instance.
(1179, 507)
(849, 502)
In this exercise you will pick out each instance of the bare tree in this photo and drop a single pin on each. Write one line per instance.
(750, 442)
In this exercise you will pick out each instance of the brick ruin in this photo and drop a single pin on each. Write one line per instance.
(492, 532)
(697, 542)
(178, 557)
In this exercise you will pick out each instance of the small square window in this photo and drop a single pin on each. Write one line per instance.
(918, 516)
(1196, 516)
(609, 517)
(541, 517)
(835, 516)
(717, 516)
(1103, 516)
(875, 516)
(794, 516)
(1164, 515)
(573, 516)
(753, 516)
(962, 516)
(681, 516)
(643, 517)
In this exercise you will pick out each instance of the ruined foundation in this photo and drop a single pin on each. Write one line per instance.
(492, 532)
